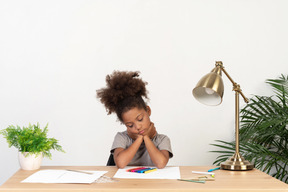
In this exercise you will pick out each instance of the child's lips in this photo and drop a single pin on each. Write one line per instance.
(141, 132)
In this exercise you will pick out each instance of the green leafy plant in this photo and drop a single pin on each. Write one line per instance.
(263, 132)
(31, 139)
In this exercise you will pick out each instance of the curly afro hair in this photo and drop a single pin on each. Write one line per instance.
(124, 91)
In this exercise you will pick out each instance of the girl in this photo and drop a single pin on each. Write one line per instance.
(140, 144)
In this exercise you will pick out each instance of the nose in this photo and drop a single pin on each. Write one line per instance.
(138, 126)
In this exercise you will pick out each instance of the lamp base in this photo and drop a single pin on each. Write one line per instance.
(237, 163)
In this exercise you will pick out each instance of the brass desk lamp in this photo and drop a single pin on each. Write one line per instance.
(209, 91)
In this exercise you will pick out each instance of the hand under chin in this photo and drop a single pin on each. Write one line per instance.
(134, 136)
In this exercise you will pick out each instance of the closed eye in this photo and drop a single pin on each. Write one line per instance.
(140, 118)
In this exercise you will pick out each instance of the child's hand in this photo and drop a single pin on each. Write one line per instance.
(135, 136)
(151, 132)
(140, 136)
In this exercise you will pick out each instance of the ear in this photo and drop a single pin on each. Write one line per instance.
(148, 109)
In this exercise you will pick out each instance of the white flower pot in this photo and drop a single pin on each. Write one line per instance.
(30, 161)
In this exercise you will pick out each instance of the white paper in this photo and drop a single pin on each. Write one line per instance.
(166, 173)
(63, 176)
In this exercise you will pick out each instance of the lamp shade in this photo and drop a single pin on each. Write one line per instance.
(210, 89)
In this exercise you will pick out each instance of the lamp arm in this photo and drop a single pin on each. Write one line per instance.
(236, 87)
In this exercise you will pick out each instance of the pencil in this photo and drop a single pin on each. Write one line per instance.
(189, 180)
(210, 170)
(151, 170)
(86, 172)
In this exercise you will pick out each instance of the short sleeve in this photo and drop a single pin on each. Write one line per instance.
(163, 143)
(120, 141)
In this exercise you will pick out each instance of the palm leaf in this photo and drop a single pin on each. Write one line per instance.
(280, 85)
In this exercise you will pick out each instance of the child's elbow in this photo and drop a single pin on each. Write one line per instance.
(161, 165)
(121, 166)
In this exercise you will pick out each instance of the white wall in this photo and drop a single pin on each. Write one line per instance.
(54, 55)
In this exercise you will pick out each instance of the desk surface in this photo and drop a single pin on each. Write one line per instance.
(232, 181)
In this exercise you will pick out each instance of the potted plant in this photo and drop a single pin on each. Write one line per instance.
(264, 132)
(32, 143)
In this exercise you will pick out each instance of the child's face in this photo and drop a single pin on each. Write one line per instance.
(137, 121)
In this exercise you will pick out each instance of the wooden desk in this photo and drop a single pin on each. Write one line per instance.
(225, 181)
